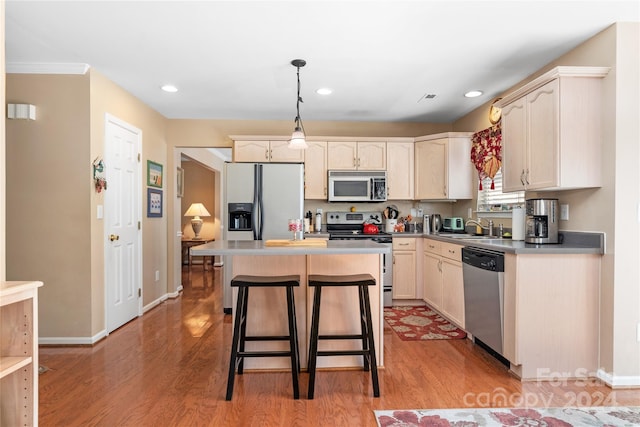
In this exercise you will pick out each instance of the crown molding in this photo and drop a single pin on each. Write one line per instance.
(45, 68)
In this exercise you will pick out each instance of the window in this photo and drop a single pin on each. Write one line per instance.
(495, 200)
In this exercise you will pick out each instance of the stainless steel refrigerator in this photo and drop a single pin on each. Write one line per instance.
(260, 198)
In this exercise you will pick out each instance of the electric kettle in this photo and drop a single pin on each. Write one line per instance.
(436, 223)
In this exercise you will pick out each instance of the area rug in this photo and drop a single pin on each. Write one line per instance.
(472, 417)
(420, 323)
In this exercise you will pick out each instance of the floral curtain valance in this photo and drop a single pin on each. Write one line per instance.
(486, 152)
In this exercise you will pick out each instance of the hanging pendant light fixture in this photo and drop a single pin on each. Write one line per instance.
(297, 140)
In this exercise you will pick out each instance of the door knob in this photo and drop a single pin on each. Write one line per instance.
(113, 237)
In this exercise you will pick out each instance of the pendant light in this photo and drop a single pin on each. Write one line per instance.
(297, 140)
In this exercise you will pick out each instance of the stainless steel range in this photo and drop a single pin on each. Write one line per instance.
(349, 226)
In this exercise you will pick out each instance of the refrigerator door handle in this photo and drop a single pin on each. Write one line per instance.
(260, 202)
(254, 212)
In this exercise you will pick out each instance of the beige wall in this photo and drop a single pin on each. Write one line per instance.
(611, 209)
(48, 187)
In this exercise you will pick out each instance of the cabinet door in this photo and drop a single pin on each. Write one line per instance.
(342, 155)
(432, 278)
(372, 156)
(542, 148)
(430, 172)
(404, 274)
(453, 292)
(315, 170)
(280, 152)
(514, 146)
(251, 151)
(400, 164)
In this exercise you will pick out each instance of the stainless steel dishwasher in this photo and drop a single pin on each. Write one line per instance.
(483, 275)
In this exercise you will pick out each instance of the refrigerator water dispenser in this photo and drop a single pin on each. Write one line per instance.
(240, 216)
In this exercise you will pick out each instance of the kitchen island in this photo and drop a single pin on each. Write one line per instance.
(267, 314)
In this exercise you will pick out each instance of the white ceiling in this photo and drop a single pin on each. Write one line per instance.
(231, 59)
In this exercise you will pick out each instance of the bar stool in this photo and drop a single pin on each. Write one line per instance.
(238, 353)
(362, 281)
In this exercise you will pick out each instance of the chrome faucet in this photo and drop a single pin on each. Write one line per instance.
(479, 224)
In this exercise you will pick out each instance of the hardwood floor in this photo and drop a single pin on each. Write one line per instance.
(169, 368)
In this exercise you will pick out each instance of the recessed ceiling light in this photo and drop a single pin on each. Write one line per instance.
(169, 88)
(473, 93)
(324, 91)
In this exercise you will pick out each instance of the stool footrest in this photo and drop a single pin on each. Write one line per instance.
(268, 338)
(343, 353)
(341, 337)
(264, 353)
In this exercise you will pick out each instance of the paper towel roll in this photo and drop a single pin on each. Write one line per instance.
(517, 223)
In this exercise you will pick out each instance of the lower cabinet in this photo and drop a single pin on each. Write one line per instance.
(404, 268)
(442, 279)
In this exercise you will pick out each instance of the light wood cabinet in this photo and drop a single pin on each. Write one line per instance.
(551, 131)
(551, 315)
(442, 279)
(443, 168)
(19, 353)
(404, 268)
(400, 170)
(315, 170)
(357, 155)
(261, 151)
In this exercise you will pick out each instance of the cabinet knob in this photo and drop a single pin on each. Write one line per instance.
(113, 237)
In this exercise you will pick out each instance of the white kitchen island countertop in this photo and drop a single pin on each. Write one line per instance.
(257, 247)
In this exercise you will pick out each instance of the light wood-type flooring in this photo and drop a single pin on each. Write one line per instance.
(169, 368)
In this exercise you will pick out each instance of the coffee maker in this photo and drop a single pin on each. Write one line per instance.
(541, 221)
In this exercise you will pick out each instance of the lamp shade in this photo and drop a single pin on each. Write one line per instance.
(197, 209)
(297, 141)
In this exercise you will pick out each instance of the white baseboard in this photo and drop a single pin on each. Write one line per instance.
(73, 340)
(618, 381)
(102, 334)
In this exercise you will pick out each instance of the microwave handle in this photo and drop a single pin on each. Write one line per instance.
(372, 188)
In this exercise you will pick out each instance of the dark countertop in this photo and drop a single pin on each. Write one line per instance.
(573, 243)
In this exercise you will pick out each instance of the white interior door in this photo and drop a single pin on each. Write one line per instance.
(121, 223)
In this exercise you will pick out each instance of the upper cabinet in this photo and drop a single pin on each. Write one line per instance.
(315, 170)
(551, 131)
(264, 151)
(357, 155)
(400, 167)
(443, 168)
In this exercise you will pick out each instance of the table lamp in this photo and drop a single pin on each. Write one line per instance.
(196, 210)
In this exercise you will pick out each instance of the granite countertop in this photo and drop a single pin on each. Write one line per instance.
(572, 243)
(257, 247)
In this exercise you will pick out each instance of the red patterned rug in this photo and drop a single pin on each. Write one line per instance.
(490, 417)
(420, 323)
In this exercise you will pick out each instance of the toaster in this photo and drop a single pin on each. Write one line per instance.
(453, 224)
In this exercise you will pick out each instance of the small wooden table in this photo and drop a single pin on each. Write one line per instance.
(188, 243)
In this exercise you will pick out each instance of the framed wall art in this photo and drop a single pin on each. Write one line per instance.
(180, 178)
(154, 203)
(154, 174)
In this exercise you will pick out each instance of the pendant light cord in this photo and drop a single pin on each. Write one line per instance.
(298, 120)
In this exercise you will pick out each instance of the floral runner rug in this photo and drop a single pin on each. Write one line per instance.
(413, 323)
(612, 416)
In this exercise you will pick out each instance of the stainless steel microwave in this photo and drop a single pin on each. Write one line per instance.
(357, 186)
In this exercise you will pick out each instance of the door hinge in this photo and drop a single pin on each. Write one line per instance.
(138, 225)
(139, 292)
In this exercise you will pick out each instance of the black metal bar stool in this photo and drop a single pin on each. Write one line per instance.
(362, 281)
(238, 353)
